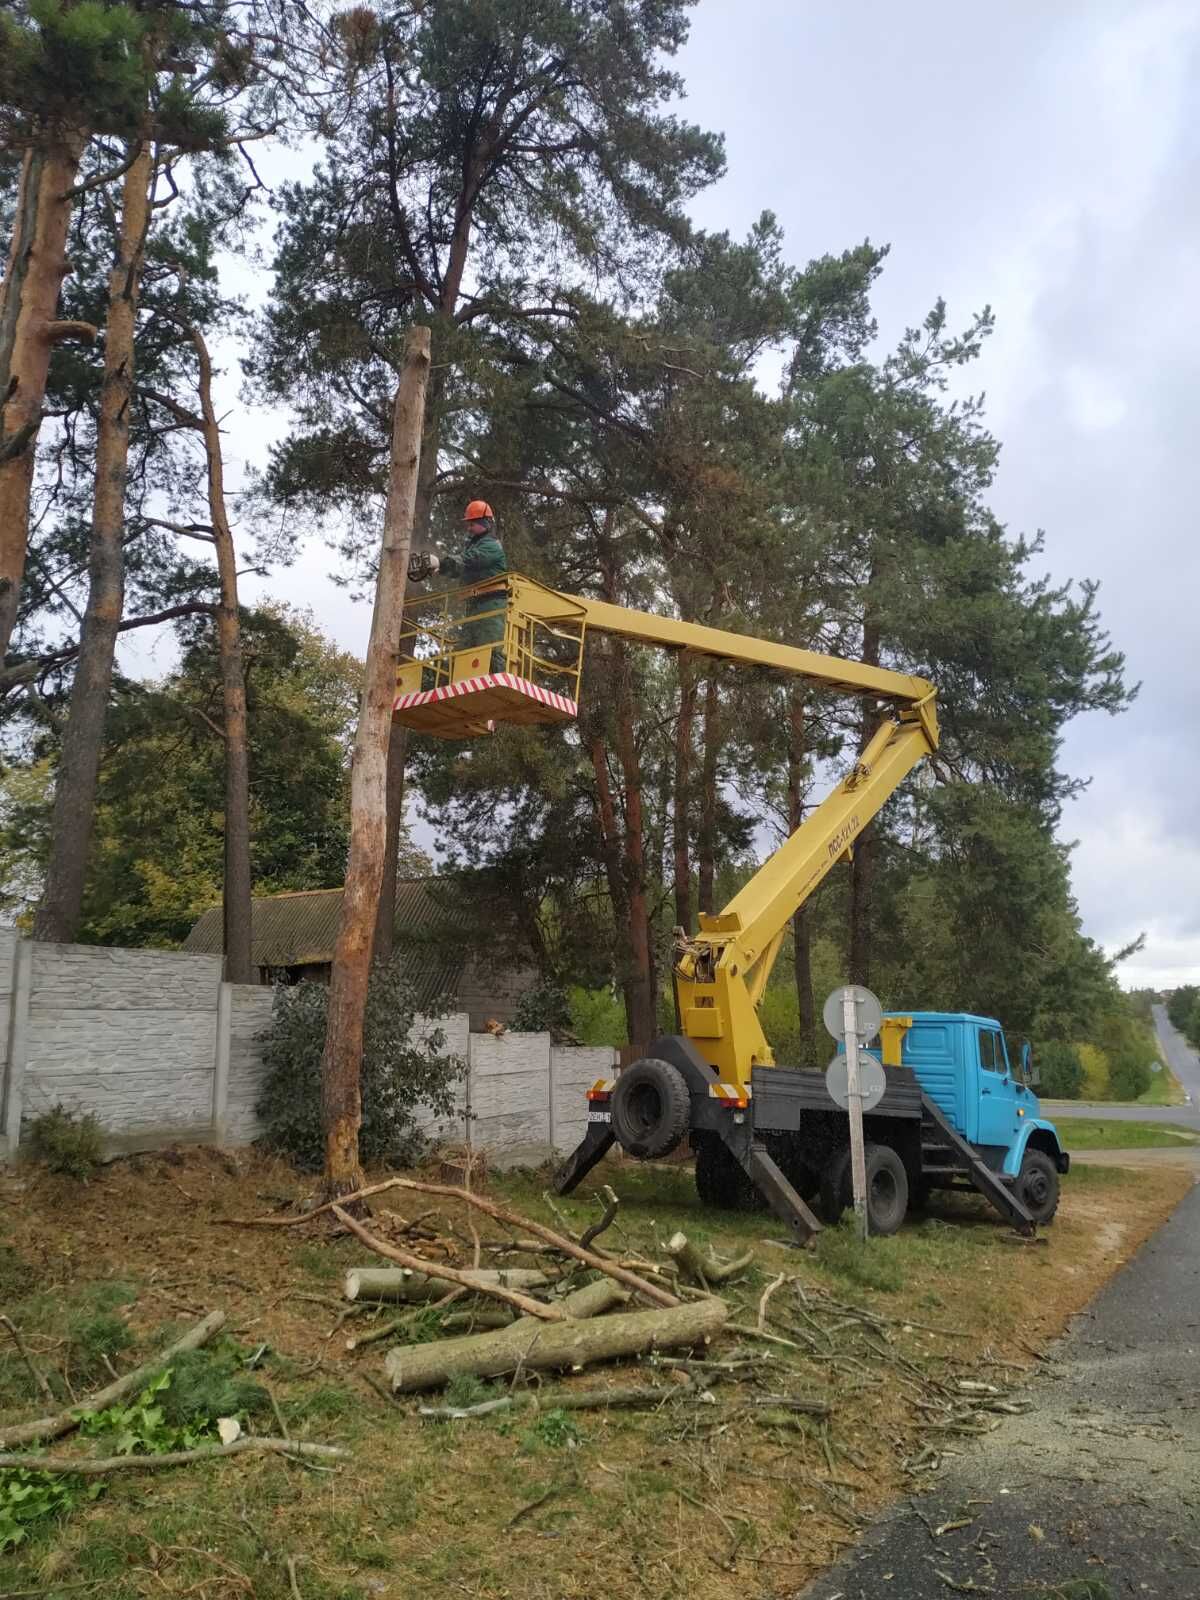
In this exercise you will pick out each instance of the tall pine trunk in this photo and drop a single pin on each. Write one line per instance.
(341, 1063)
(59, 914)
(681, 816)
(427, 469)
(37, 264)
(801, 930)
(863, 863)
(644, 1021)
(610, 850)
(237, 885)
(707, 842)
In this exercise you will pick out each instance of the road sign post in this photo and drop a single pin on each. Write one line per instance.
(854, 1014)
(858, 1155)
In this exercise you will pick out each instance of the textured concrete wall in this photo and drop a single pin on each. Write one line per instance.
(573, 1071)
(161, 1051)
(128, 1035)
(249, 1013)
(510, 1091)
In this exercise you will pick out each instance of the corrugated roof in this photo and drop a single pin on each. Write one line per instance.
(300, 930)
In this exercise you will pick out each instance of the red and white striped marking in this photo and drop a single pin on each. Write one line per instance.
(729, 1094)
(491, 680)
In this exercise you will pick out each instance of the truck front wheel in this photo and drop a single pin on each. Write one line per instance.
(1037, 1186)
(887, 1188)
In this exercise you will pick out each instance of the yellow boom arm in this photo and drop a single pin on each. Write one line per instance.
(720, 973)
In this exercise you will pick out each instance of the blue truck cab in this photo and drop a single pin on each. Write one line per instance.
(962, 1063)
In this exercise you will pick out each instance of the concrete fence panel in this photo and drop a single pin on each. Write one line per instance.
(573, 1071)
(127, 1035)
(161, 1051)
(249, 1013)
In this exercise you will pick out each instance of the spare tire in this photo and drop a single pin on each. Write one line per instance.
(651, 1109)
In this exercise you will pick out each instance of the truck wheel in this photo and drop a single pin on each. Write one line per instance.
(651, 1109)
(1037, 1186)
(720, 1181)
(794, 1159)
(887, 1188)
(836, 1193)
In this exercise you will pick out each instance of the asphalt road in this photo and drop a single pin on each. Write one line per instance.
(1096, 1488)
(1185, 1064)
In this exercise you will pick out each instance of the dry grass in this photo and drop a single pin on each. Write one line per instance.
(688, 1500)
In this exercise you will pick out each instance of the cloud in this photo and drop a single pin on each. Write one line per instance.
(1045, 160)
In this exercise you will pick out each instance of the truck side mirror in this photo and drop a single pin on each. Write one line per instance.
(1029, 1072)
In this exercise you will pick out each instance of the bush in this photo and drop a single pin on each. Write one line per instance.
(598, 1017)
(1130, 1047)
(399, 1073)
(1061, 1070)
(543, 1009)
(66, 1141)
(1095, 1072)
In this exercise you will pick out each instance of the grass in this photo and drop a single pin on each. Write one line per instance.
(1165, 1089)
(1097, 1133)
(438, 1509)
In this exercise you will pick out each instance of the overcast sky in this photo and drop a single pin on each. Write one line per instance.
(1041, 158)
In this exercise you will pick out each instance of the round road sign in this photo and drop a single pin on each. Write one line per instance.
(868, 1012)
(871, 1082)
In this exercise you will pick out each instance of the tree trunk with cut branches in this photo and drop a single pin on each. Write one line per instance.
(341, 1102)
(58, 915)
(238, 883)
(385, 922)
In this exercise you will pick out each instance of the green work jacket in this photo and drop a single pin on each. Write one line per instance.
(484, 558)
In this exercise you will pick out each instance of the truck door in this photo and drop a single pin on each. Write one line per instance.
(997, 1095)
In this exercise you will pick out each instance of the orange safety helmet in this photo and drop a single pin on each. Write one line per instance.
(477, 510)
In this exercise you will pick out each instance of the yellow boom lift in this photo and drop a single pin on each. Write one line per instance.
(704, 1081)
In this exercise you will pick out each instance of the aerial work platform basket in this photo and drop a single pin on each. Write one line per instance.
(509, 652)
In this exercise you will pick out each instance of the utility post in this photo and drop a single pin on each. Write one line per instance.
(853, 1014)
(858, 1158)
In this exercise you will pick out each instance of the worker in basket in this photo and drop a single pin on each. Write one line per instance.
(483, 559)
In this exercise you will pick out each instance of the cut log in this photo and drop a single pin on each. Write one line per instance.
(476, 1321)
(249, 1444)
(402, 1283)
(594, 1299)
(447, 1274)
(54, 1427)
(569, 1345)
(702, 1269)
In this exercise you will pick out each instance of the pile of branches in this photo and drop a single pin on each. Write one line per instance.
(573, 1304)
(567, 1303)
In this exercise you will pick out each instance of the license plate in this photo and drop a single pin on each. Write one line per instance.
(599, 1116)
